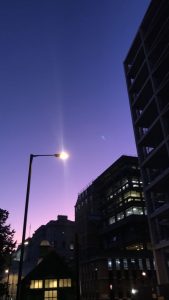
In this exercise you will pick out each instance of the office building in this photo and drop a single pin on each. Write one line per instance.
(147, 76)
(115, 257)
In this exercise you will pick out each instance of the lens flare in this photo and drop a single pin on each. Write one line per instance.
(64, 155)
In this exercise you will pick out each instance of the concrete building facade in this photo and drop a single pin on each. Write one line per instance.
(147, 76)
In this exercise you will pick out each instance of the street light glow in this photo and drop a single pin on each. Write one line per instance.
(64, 155)
(134, 291)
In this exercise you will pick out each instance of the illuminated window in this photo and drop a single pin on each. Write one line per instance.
(135, 247)
(125, 264)
(117, 262)
(36, 284)
(140, 263)
(133, 194)
(134, 211)
(125, 180)
(129, 212)
(65, 282)
(109, 264)
(50, 295)
(71, 247)
(129, 199)
(120, 216)
(50, 283)
(137, 211)
(135, 180)
(112, 220)
(148, 264)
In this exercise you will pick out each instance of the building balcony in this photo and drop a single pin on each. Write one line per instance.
(139, 79)
(155, 157)
(151, 136)
(143, 96)
(160, 182)
(148, 115)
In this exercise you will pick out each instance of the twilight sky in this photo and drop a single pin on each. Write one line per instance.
(62, 86)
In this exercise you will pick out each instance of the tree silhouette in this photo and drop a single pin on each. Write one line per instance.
(7, 244)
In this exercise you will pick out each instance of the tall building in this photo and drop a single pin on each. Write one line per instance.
(115, 257)
(147, 76)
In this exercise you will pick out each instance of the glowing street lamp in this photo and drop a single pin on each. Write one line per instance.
(64, 155)
(61, 155)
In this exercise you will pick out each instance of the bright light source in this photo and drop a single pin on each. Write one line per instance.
(26, 243)
(64, 155)
(6, 271)
(134, 291)
(144, 273)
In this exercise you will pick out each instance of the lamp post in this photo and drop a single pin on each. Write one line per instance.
(7, 284)
(62, 155)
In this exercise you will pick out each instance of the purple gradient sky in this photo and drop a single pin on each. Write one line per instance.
(62, 85)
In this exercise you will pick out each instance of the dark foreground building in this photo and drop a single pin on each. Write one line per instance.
(56, 234)
(147, 75)
(51, 279)
(115, 257)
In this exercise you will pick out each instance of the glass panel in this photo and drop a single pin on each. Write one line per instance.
(66, 282)
(50, 283)
(120, 216)
(50, 295)
(112, 220)
(117, 261)
(125, 264)
(148, 264)
(69, 282)
(36, 284)
(140, 262)
(109, 264)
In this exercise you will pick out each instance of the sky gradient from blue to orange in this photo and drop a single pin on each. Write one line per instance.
(62, 86)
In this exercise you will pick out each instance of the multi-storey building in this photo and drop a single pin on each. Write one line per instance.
(147, 76)
(58, 235)
(115, 257)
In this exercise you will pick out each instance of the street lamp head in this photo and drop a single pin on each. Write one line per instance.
(63, 155)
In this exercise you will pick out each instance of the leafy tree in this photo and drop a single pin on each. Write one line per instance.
(7, 244)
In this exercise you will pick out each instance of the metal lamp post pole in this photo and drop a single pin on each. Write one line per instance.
(24, 230)
(18, 293)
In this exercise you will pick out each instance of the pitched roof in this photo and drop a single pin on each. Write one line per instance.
(51, 266)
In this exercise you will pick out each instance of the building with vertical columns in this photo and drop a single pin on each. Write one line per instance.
(115, 257)
(147, 75)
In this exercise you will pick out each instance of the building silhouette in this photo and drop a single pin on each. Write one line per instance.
(115, 257)
(58, 235)
(50, 279)
(147, 76)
